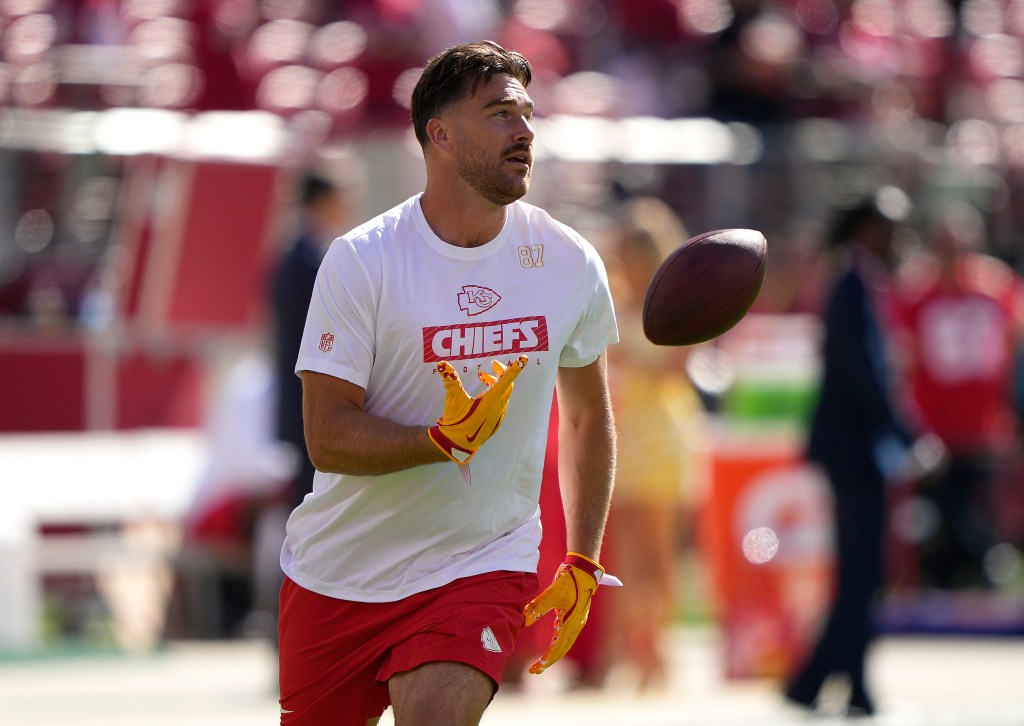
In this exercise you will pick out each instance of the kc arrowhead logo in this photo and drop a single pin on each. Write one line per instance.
(475, 299)
(488, 641)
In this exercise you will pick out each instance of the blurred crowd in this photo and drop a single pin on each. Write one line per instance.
(752, 60)
(886, 85)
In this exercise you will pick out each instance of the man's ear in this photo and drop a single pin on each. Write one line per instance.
(438, 133)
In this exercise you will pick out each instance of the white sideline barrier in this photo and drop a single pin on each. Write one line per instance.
(19, 592)
(82, 478)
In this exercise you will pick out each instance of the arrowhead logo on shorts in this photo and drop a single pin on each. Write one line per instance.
(326, 342)
(488, 640)
(475, 299)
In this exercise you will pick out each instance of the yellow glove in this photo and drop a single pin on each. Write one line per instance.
(468, 422)
(569, 593)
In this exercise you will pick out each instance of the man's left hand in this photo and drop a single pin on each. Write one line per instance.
(569, 594)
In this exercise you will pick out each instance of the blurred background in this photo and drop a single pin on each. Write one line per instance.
(153, 161)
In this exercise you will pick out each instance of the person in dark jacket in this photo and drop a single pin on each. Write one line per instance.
(323, 212)
(861, 441)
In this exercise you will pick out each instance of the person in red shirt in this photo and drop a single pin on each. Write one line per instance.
(962, 313)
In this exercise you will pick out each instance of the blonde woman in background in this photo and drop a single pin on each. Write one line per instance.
(657, 417)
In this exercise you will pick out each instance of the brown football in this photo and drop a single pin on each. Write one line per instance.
(704, 287)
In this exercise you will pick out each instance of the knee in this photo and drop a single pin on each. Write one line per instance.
(440, 692)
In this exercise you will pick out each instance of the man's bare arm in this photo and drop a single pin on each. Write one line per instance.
(586, 454)
(343, 439)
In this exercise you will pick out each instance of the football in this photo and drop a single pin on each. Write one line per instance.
(704, 287)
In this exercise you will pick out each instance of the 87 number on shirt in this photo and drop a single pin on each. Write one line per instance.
(531, 256)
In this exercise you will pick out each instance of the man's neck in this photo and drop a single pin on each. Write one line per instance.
(463, 222)
(871, 266)
(314, 230)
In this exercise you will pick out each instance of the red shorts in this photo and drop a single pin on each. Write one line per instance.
(336, 656)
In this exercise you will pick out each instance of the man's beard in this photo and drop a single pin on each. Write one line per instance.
(490, 182)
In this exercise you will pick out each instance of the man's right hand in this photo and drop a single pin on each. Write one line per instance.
(467, 422)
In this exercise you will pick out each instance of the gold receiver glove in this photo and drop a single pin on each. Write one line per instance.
(467, 422)
(569, 594)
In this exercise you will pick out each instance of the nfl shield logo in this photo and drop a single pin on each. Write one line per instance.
(326, 342)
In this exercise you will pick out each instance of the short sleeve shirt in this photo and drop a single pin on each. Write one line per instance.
(391, 301)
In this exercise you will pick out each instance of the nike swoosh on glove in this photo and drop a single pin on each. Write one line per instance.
(468, 422)
(569, 594)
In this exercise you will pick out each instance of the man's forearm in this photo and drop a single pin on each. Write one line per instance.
(350, 441)
(586, 464)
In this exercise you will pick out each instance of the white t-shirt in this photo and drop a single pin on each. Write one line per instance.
(391, 301)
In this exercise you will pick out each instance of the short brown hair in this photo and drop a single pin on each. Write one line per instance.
(459, 71)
